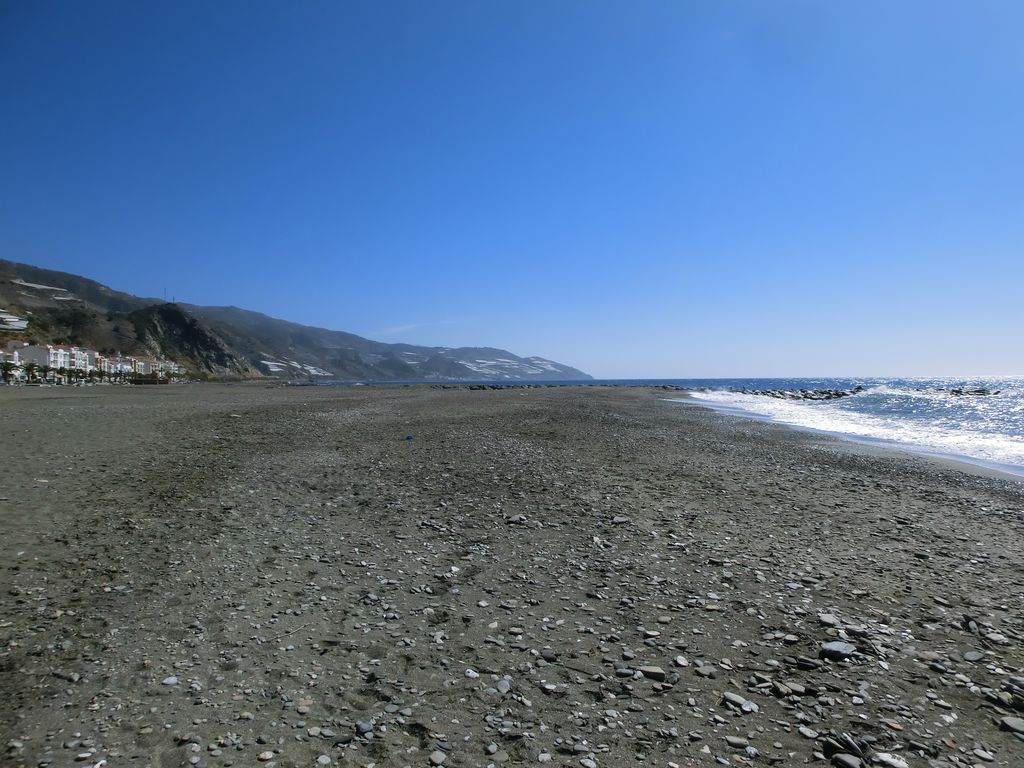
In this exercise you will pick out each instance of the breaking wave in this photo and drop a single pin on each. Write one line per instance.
(979, 420)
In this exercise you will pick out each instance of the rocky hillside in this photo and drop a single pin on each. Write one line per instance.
(168, 331)
(233, 342)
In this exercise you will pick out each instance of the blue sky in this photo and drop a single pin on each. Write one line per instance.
(640, 189)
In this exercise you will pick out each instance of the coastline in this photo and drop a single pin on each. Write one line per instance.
(963, 462)
(456, 568)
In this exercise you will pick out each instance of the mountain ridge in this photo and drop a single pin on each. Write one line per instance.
(233, 342)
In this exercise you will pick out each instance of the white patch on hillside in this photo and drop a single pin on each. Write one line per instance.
(286, 365)
(19, 281)
(547, 365)
(9, 322)
(503, 368)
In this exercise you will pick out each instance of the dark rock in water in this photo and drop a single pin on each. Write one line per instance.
(837, 650)
(979, 392)
(804, 394)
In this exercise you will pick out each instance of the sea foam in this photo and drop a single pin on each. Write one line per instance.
(922, 415)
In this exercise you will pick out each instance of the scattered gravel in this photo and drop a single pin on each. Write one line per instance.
(586, 577)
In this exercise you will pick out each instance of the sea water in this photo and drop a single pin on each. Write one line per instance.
(923, 415)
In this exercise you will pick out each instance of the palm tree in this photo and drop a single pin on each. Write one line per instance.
(63, 373)
(44, 371)
(8, 368)
(30, 369)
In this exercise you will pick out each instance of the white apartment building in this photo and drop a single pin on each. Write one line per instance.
(120, 364)
(58, 356)
(166, 366)
(78, 359)
(45, 355)
(97, 362)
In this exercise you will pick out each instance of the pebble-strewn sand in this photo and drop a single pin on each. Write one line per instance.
(218, 576)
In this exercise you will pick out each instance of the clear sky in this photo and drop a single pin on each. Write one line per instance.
(640, 189)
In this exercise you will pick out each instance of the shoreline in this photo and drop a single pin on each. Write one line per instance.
(963, 461)
(411, 576)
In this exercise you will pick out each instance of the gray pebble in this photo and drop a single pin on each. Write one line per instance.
(837, 650)
(1014, 724)
(653, 673)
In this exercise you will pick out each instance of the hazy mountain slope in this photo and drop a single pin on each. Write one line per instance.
(70, 288)
(229, 341)
(257, 336)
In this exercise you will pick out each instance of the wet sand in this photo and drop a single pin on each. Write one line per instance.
(239, 575)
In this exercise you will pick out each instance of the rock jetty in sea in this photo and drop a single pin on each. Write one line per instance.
(804, 394)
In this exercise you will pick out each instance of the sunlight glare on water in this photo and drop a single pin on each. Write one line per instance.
(921, 414)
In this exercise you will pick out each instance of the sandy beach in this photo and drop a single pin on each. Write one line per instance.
(219, 575)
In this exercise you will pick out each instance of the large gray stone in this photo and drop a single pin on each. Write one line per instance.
(837, 650)
(1015, 724)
